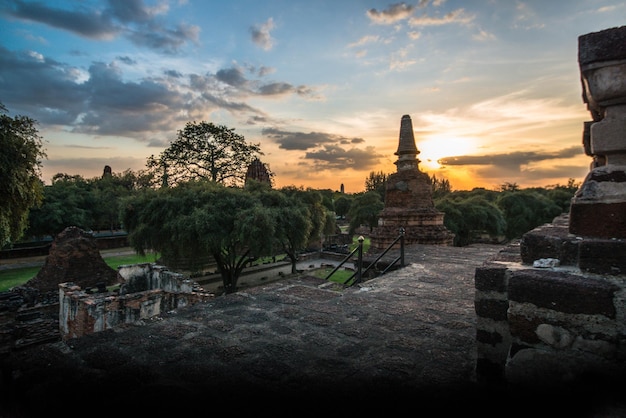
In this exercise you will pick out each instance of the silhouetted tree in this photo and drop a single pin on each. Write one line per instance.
(441, 187)
(204, 151)
(376, 182)
(365, 210)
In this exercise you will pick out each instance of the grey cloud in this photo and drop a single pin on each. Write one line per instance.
(392, 14)
(513, 159)
(130, 10)
(129, 18)
(173, 73)
(255, 120)
(229, 105)
(127, 60)
(261, 34)
(166, 40)
(59, 98)
(334, 157)
(231, 76)
(91, 24)
(276, 88)
(303, 141)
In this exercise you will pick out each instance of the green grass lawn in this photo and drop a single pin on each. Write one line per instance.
(16, 277)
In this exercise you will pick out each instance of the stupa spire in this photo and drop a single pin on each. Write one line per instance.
(407, 150)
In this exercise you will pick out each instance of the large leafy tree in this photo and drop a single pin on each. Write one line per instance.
(365, 210)
(68, 201)
(204, 151)
(200, 218)
(342, 205)
(314, 201)
(525, 210)
(467, 217)
(20, 168)
(294, 223)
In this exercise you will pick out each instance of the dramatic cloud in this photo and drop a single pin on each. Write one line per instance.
(303, 141)
(129, 18)
(101, 102)
(513, 159)
(334, 157)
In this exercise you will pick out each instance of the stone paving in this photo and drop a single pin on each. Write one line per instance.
(299, 346)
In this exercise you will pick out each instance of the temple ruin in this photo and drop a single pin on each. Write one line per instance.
(408, 201)
(553, 314)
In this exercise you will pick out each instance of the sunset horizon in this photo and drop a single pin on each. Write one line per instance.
(493, 87)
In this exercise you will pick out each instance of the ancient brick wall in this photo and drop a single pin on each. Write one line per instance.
(553, 325)
(29, 317)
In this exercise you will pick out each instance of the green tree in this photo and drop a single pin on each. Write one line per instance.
(525, 210)
(365, 210)
(107, 194)
(469, 216)
(68, 201)
(441, 187)
(293, 223)
(20, 170)
(342, 205)
(200, 218)
(376, 182)
(204, 151)
(313, 199)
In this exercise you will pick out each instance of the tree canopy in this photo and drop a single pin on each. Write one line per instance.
(206, 151)
(20, 168)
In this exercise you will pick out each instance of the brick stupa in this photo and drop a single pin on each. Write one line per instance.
(408, 201)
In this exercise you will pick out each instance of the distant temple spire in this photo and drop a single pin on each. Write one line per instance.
(407, 150)
(258, 171)
(409, 203)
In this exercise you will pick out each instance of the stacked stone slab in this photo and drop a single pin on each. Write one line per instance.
(556, 316)
(599, 207)
(408, 201)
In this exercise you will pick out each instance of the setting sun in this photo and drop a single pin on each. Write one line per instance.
(438, 146)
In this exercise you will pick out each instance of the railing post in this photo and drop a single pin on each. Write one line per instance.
(401, 246)
(360, 260)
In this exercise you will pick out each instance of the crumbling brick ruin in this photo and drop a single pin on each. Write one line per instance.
(77, 293)
(555, 314)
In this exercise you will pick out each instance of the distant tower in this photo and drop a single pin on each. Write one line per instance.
(107, 171)
(408, 201)
(342, 190)
(259, 172)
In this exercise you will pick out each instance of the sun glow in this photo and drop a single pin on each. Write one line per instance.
(435, 147)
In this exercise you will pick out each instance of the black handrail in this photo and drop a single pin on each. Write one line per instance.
(359, 271)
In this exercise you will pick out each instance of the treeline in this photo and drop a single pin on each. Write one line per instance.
(476, 215)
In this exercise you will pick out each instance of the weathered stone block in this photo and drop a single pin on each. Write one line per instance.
(493, 309)
(489, 278)
(563, 292)
(603, 256)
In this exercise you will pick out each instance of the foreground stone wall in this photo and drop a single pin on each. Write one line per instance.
(549, 322)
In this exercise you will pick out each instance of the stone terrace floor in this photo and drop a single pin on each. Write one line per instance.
(400, 343)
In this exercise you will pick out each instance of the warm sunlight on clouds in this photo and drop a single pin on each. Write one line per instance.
(493, 88)
(437, 146)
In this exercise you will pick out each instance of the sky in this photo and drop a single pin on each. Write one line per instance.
(492, 87)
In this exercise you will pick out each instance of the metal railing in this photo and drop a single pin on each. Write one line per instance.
(359, 272)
